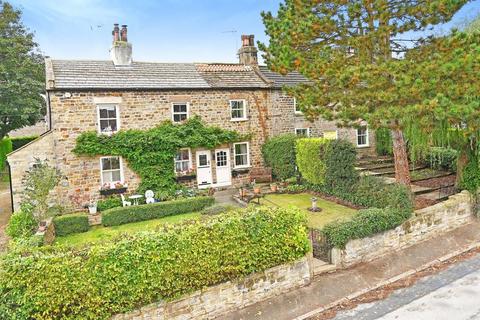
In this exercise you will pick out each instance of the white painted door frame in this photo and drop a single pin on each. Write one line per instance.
(204, 169)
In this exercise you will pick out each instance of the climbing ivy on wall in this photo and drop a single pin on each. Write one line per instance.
(150, 153)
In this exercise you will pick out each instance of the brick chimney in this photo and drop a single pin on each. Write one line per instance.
(121, 51)
(247, 54)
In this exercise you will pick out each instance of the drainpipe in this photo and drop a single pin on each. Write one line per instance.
(11, 187)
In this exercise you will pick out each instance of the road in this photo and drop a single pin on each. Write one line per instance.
(451, 294)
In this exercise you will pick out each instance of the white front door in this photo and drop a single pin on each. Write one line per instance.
(204, 169)
(222, 161)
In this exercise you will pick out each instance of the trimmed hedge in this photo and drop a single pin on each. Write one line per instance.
(19, 142)
(109, 203)
(442, 158)
(279, 154)
(122, 215)
(310, 159)
(131, 271)
(340, 174)
(5, 148)
(71, 223)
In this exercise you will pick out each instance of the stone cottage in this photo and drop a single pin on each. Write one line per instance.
(120, 93)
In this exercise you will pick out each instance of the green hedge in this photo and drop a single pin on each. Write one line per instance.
(109, 203)
(279, 154)
(5, 148)
(340, 174)
(122, 215)
(131, 271)
(21, 141)
(310, 159)
(22, 224)
(71, 223)
(442, 158)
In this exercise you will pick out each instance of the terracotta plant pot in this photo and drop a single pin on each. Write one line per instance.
(242, 192)
(274, 187)
(256, 190)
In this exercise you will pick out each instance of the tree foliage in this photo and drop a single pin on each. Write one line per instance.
(21, 73)
(353, 54)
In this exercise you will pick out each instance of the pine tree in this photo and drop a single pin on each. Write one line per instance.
(350, 50)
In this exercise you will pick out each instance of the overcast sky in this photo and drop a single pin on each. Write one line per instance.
(160, 30)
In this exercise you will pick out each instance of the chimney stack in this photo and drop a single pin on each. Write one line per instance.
(247, 54)
(121, 51)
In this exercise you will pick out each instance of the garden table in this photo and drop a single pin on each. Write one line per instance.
(135, 198)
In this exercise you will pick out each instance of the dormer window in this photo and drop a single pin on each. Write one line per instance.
(108, 118)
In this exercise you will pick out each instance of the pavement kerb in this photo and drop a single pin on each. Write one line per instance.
(388, 281)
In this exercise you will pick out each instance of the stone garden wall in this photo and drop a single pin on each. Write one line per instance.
(426, 223)
(217, 300)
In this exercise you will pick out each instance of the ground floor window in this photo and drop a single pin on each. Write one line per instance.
(302, 132)
(241, 154)
(111, 169)
(362, 137)
(182, 160)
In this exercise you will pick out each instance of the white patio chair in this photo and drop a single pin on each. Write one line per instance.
(149, 196)
(124, 202)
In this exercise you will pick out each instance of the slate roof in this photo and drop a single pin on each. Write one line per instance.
(102, 74)
(290, 79)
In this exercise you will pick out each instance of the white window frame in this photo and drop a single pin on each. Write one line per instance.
(367, 142)
(117, 118)
(235, 156)
(297, 112)
(245, 117)
(308, 132)
(122, 179)
(190, 166)
(174, 113)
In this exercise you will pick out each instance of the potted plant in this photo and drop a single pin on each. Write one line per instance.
(110, 188)
(274, 187)
(256, 189)
(92, 207)
(42, 226)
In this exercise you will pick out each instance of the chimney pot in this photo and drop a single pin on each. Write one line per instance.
(116, 32)
(123, 33)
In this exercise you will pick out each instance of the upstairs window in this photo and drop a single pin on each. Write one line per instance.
(179, 112)
(241, 154)
(182, 160)
(108, 118)
(362, 137)
(305, 132)
(238, 110)
(111, 170)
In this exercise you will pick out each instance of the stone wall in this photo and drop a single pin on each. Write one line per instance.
(22, 159)
(220, 299)
(426, 223)
(284, 120)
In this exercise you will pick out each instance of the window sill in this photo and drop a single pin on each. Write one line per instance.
(363, 146)
(241, 168)
(107, 133)
(239, 120)
(298, 113)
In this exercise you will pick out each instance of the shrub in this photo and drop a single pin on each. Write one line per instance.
(442, 158)
(5, 148)
(122, 215)
(340, 174)
(279, 154)
(71, 223)
(22, 224)
(295, 188)
(310, 159)
(109, 203)
(218, 209)
(19, 142)
(383, 142)
(364, 224)
(131, 271)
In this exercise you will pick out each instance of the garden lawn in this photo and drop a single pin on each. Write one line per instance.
(330, 210)
(101, 233)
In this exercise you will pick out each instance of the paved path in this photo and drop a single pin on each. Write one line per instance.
(452, 294)
(328, 288)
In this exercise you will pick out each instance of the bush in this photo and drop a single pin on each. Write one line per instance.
(122, 215)
(71, 223)
(383, 142)
(295, 188)
(310, 159)
(109, 203)
(364, 224)
(218, 209)
(19, 142)
(22, 224)
(340, 174)
(442, 158)
(5, 148)
(131, 271)
(279, 154)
